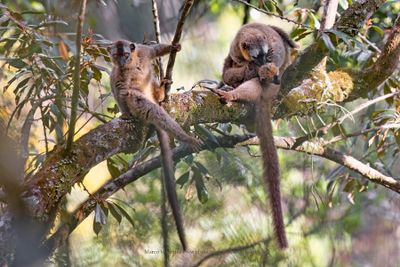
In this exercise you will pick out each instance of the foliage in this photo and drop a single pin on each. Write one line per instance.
(224, 198)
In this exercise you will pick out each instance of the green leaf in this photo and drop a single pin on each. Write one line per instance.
(297, 32)
(29, 51)
(100, 219)
(378, 30)
(114, 211)
(314, 23)
(204, 132)
(202, 193)
(112, 168)
(96, 73)
(183, 179)
(14, 78)
(125, 214)
(270, 6)
(397, 137)
(203, 170)
(341, 35)
(328, 43)
(21, 84)
(302, 35)
(343, 4)
(16, 63)
(349, 187)
(105, 54)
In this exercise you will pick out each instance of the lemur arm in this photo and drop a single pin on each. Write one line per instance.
(159, 50)
(233, 76)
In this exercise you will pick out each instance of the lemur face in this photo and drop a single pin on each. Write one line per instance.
(255, 49)
(121, 52)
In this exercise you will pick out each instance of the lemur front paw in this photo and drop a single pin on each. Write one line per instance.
(195, 144)
(176, 48)
(125, 92)
(225, 96)
(269, 73)
(165, 82)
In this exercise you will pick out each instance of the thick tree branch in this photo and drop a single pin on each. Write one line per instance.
(342, 85)
(350, 22)
(329, 14)
(324, 129)
(132, 175)
(384, 66)
(59, 173)
(286, 143)
(318, 149)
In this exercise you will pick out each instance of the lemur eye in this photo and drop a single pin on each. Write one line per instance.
(245, 46)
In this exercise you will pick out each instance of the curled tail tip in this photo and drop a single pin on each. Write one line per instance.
(181, 235)
(282, 242)
(185, 247)
(280, 233)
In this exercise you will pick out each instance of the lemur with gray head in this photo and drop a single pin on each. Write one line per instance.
(133, 81)
(258, 56)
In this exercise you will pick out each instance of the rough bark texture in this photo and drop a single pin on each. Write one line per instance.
(59, 172)
(384, 66)
(350, 162)
(350, 22)
(132, 175)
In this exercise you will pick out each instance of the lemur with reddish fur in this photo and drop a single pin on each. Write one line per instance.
(133, 81)
(258, 56)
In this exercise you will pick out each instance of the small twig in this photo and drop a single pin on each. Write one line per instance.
(46, 142)
(178, 33)
(273, 14)
(20, 25)
(246, 16)
(157, 32)
(139, 171)
(251, 245)
(230, 250)
(25, 133)
(315, 148)
(371, 44)
(354, 134)
(77, 70)
(323, 130)
(163, 217)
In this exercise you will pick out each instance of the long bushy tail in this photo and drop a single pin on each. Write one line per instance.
(170, 186)
(270, 165)
(285, 37)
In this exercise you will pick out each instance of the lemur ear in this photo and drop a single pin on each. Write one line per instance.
(132, 46)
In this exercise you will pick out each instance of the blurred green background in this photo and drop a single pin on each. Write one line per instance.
(335, 218)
